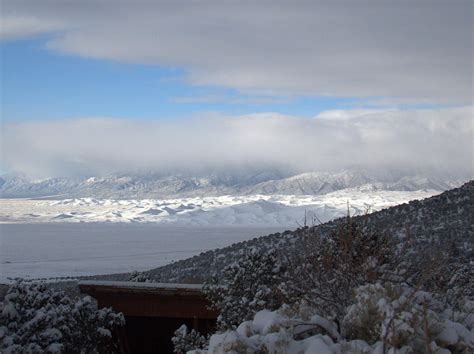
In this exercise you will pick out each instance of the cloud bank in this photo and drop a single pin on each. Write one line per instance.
(415, 51)
(420, 141)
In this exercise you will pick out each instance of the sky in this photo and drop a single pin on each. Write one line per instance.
(91, 87)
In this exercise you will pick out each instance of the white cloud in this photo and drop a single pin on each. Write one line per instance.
(416, 51)
(228, 99)
(344, 114)
(419, 141)
(15, 27)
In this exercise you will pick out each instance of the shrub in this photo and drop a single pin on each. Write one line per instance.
(35, 318)
(139, 277)
(398, 316)
(246, 287)
(405, 321)
(331, 265)
(353, 288)
(185, 340)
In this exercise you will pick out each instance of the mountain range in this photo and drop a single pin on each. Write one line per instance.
(150, 185)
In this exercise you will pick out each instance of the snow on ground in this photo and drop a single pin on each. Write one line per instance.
(263, 210)
(74, 249)
(87, 236)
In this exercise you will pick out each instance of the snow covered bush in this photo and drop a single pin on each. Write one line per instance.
(445, 269)
(276, 332)
(139, 277)
(185, 340)
(397, 316)
(246, 287)
(35, 318)
(348, 289)
(331, 265)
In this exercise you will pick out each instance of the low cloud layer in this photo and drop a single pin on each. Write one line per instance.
(403, 51)
(415, 140)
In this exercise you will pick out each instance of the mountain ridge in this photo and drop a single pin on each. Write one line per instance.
(148, 186)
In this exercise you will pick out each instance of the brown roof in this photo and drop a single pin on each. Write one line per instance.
(150, 299)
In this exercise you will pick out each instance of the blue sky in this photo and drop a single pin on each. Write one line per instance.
(40, 84)
(154, 60)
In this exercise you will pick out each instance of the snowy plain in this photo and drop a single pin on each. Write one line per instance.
(87, 236)
(74, 249)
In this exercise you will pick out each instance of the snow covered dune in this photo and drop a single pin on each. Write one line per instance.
(261, 210)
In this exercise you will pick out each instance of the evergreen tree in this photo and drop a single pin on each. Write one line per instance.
(35, 318)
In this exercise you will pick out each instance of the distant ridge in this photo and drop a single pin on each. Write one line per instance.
(147, 186)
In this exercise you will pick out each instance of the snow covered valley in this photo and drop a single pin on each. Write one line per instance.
(86, 236)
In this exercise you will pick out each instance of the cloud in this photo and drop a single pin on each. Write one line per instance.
(418, 141)
(231, 99)
(344, 114)
(416, 51)
(16, 27)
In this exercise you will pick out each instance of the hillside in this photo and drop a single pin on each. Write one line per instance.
(448, 215)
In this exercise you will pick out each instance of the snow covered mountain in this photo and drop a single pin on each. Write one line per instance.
(145, 186)
(315, 183)
(128, 186)
(265, 199)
